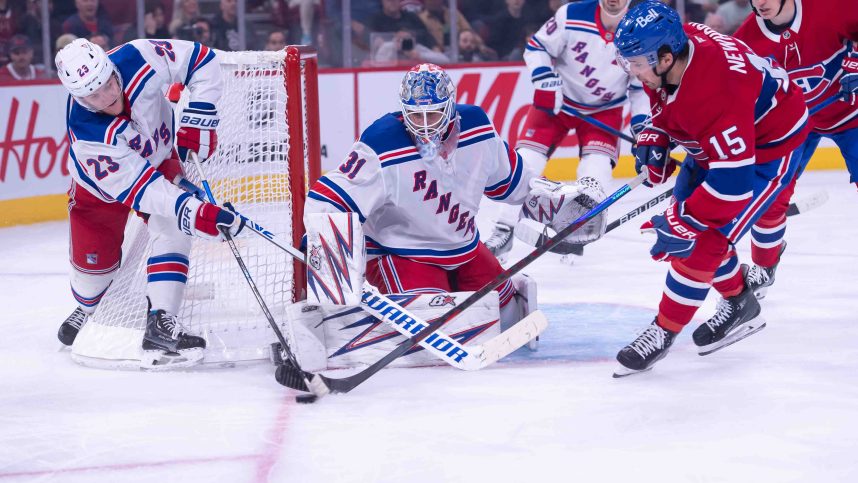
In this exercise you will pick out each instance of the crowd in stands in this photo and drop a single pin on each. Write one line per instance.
(384, 32)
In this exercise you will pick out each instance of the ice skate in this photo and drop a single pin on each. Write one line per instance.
(759, 279)
(735, 318)
(167, 346)
(72, 325)
(650, 347)
(500, 243)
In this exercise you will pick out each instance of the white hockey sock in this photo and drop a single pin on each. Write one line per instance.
(596, 166)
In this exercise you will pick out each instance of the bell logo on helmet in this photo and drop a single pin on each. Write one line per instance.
(644, 21)
(83, 70)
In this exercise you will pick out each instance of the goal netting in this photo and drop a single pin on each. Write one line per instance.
(268, 153)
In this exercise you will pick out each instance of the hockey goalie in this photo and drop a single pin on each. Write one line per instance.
(413, 182)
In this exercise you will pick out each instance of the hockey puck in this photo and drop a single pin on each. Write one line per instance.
(306, 398)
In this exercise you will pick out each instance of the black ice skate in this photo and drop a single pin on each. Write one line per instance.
(650, 347)
(735, 318)
(759, 279)
(500, 243)
(165, 345)
(69, 329)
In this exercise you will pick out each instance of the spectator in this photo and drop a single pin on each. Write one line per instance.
(508, 29)
(413, 6)
(478, 11)
(100, 40)
(734, 13)
(154, 22)
(715, 22)
(199, 30)
(472, 48)
(436, 18)
(21, 67)
(306, 13)
(183, 16)
(225, 27)
(405, 49)
(10, 17)
(392, 19)
(276, 41)
(87, 20)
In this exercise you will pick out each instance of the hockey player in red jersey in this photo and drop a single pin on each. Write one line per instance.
(815, 41)
(742, 123)
(122, 158)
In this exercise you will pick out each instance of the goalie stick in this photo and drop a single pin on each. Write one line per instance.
(446, 348)
(346, 384)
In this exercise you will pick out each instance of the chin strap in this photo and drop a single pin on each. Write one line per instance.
(670, 88)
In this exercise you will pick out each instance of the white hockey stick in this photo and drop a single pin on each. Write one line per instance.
(470, 358)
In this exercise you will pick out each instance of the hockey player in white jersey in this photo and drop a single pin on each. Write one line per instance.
(572, 63)
(416, 178)
(122, 158)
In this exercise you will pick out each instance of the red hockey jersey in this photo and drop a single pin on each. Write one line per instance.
(812, 51)
(732, 110)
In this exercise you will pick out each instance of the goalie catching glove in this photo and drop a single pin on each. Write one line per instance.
(558, 205)
(206, 220)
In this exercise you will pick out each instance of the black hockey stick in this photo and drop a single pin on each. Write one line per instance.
(300, 375)
(346, 384)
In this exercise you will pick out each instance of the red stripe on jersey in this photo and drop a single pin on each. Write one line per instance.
(141, 181)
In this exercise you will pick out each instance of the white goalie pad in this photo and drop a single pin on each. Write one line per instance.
(355, 338)
(336, 258)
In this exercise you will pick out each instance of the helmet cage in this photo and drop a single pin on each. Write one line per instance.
(427, 100)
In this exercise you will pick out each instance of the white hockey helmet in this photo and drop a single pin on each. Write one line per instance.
(83, 67)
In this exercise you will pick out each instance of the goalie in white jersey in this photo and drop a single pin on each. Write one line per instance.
(120, 130)
(416, 178)
(572, 64)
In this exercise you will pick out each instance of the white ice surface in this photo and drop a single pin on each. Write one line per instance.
(779, 406)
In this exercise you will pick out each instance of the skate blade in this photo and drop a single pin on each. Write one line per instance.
(747, 329)
(166, 361)
(623, 371)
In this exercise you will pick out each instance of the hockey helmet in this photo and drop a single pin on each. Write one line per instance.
(83, 68)
(427, 98)
(647, 27)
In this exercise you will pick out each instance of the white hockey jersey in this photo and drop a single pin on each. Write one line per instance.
(115, 157)
(574, 45)
(423, 209)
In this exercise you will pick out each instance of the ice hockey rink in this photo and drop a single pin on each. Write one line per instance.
(779, 406)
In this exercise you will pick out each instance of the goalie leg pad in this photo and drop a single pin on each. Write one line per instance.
(336, 258)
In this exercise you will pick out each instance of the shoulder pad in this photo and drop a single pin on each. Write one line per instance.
(386, 134)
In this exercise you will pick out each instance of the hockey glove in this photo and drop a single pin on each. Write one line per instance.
(677, 232)
(653, 151)
(560, 204)
(206, 220)
(849, 81)
(197, 130)
(548, 93)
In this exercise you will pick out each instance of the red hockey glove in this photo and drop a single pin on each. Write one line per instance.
(653, 151)
(197, 133)
(548, 93)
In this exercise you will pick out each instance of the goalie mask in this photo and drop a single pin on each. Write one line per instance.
(427, 98)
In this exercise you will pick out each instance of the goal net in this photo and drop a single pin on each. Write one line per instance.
(268, 153)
